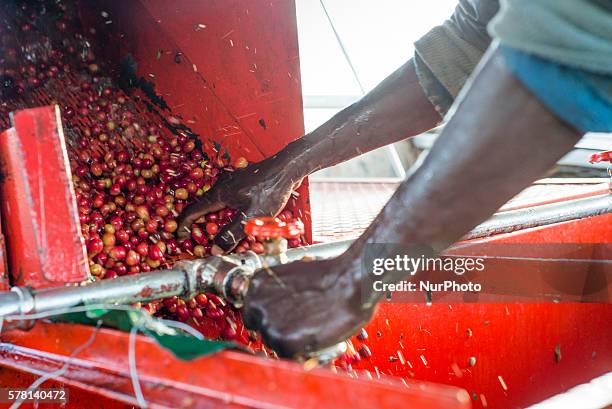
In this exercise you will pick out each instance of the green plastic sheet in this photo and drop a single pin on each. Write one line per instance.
(183, 345)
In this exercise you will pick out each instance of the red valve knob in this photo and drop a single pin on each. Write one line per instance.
(273, 228)
(601, 157)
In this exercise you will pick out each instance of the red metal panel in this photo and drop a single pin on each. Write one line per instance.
(523, 352)
(228, 379)
(231, 74)
(39, 207)
(504, 355)
(4, 279)
(236, 79)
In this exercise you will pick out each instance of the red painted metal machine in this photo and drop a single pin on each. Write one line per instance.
(231, 70)
(39, 211)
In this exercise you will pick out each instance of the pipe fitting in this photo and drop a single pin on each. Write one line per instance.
(27, 303)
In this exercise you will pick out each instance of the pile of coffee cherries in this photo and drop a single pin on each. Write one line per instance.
(133, 171)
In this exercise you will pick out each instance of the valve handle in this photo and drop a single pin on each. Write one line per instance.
(601, 157)
(273, 228)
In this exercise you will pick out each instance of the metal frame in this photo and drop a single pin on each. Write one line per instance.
(230, 275)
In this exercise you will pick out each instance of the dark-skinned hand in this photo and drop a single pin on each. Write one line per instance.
(258, 190)
(305, 306)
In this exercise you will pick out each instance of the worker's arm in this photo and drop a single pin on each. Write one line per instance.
(410, 101)
(498, 141)
(396, 109)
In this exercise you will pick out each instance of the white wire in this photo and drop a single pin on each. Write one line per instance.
(131, 345)
(343, 48)
(62, 370)
(133, 371)
(179, 325)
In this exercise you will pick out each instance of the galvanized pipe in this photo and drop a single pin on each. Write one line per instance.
(507, 222)
(123, 290)
(324, 250)
(10, 303)
(227, 275)
(499, 223)
(230, 275)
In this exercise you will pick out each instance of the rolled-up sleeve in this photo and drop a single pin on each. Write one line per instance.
(446, 56)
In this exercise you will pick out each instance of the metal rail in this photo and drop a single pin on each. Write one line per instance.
(507, 222)
(226, 275)
(230, 275)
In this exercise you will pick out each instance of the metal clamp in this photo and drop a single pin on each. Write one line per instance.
(27, 301)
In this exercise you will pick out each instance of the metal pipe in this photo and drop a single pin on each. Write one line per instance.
(499, 223)
(324, 250)
(126, 290)
(123, 290)
(227, 275)
(230, 275)
(507, 222)
(9, 303)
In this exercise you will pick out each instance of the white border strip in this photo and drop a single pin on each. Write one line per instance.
(596, 394)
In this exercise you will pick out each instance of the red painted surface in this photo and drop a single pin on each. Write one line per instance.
(533, 266)
(4, 278)
(273, 228)
(240, 68)
(238, 79)
(523, 352)
(228, 379)
(514, 341)
(45, 246)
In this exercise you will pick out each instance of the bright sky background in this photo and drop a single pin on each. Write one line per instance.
(378, 35)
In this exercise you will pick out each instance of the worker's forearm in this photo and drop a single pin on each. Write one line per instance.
(500, 140)
(396, 109)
